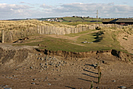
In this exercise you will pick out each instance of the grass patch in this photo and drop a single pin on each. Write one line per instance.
(80, 33)
(74, 23)
(107, 42)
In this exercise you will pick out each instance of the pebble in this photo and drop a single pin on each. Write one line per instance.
(46, 78)
(33, 79)
(49, 83)
(31, 67)
(122, 87)
(40, 54)
(45, 66)
(33, 83)
(41, 64)
(42, 59)
(55, 78)
(97, 87)
(5, 86)
(114, 80)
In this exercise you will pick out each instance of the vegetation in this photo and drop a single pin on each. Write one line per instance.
(101, 40)
(96, 39)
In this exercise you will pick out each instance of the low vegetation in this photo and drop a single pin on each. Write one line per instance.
(97, 40)
(101, 39)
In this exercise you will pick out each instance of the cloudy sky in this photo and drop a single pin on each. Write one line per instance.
(19, 9)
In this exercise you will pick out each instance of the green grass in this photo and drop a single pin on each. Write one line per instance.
(107, 42)
(73, 23)
(80, 33)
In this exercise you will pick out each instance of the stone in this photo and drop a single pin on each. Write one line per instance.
(5, 86)
(33, 83)
(46, 78)
(97, 87)
(42, 58)
(114, 80)
(55, 78)
(40, 54)
(45, 66)
(46, 63)
(122, 87)
(49, 83)
(31, 67)
(41, 64)
(33, 79)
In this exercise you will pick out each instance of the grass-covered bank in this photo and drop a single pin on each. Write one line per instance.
(96, 40)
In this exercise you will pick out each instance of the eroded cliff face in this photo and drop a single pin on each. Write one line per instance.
(14, 57)
(110, 54)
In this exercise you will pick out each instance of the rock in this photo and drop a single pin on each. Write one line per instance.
(42, 58)
(40, 54)
(7, 88)
(122, 87)
(41, 64)
(33, 83)
(114, 80)
(46, 78)
(49, 83)
(55, 78)
(97, 87)
(46, 63)
(45, 66)
(33, 79)
(31, 67)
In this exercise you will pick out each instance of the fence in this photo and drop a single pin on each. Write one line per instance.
(13, 35)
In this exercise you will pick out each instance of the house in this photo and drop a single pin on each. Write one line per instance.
(121, 21)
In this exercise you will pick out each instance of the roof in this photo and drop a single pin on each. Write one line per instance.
(124, 20)
(120, 20)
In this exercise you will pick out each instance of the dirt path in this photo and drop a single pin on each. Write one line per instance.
(71, 38)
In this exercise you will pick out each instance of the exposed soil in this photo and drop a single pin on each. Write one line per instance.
(24, 67)
(126, 41)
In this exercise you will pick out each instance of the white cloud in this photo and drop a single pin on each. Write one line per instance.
(26, 11)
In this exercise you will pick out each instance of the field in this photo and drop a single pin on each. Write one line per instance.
(70, 61)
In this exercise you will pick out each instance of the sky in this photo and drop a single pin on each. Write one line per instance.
(21, 9)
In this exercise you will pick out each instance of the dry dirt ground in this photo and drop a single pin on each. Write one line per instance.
(25, 68)
(126, 41)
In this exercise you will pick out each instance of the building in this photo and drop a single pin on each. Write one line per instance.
(121, 21)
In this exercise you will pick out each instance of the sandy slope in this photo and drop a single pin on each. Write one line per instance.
(39, 71)
(126, 41)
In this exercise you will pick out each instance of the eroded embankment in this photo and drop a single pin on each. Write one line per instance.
(110, 54)
(13, 57)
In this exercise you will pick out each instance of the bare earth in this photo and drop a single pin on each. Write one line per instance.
(25, 68)
(127, 43)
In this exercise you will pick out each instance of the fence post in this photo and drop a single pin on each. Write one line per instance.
(2, 36)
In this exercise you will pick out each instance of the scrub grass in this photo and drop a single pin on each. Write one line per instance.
(101, 40)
